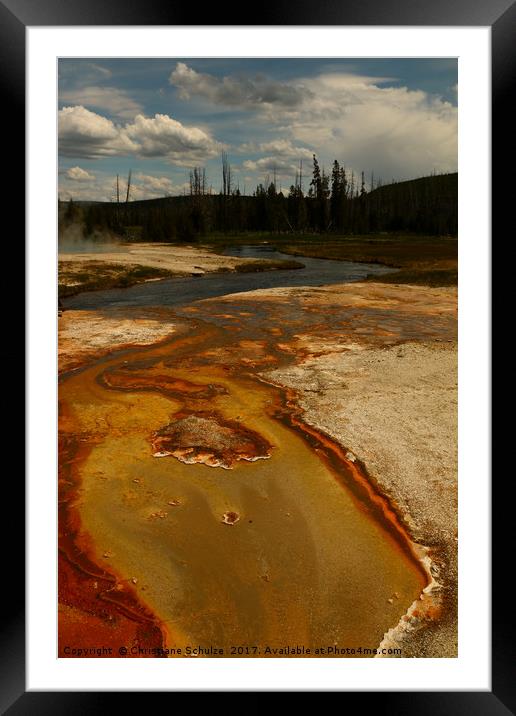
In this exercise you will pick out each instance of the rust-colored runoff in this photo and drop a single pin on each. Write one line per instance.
(314, 555)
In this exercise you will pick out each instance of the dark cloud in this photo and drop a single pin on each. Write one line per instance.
(235, 91)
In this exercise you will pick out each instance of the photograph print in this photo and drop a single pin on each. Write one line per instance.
(257, 353)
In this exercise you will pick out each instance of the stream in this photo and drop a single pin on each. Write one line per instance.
(184, 290)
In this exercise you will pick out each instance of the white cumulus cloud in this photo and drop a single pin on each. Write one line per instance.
(393, 131)
(83, 133)
(79, 174)
(103, 188)
(163, 136)
(148, 186)
(283, 148)
(271, 165)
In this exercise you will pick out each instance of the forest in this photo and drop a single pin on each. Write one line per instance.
(335, 203)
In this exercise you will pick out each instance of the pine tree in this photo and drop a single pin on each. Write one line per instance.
(319, 194)
(337, 197)
(315, 184)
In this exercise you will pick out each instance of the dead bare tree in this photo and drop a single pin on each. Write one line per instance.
(198, 181)
(226, 175)
(128, 187)
(117, 215)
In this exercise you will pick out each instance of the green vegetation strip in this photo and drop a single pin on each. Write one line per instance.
(422, 260)
(96, 276)
(268, 265)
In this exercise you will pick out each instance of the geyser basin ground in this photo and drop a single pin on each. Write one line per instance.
(313, 558)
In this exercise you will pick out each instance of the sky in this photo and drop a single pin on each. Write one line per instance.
(393, 118)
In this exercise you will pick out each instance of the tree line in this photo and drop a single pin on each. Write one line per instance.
(339, 202)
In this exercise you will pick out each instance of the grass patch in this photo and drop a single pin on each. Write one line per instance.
(432, 277)
(267, 265)
(76, 277)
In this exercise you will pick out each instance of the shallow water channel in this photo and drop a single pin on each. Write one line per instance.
(183, 290)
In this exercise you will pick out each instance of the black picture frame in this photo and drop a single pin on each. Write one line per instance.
(500, 15)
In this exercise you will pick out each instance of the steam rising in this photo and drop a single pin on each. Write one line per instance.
(72, 241)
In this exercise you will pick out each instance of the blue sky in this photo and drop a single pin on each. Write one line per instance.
(396, 118)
